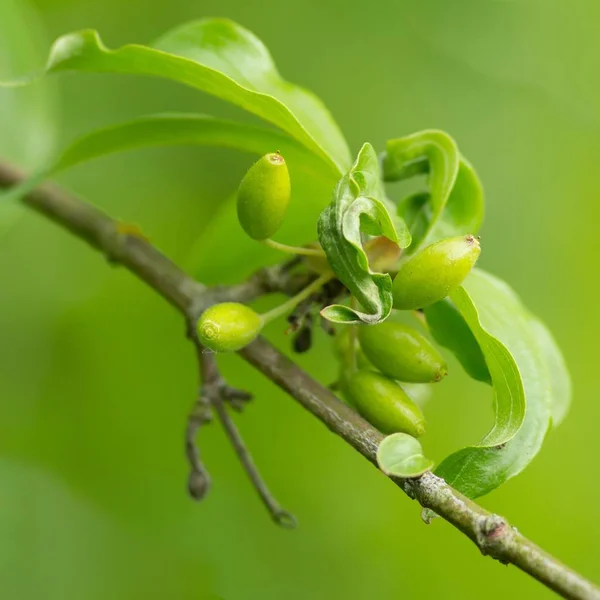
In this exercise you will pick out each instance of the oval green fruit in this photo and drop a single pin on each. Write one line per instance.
(435, 272)
(228, 327)
(401, 352)
(384, 403)
(263, 196)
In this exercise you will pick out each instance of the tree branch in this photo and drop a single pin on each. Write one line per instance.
(492, 534)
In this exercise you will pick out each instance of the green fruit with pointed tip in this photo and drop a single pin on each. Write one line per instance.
(263, 196)
(228, 327)
(401, 352)
(435, 272)
(384, 403)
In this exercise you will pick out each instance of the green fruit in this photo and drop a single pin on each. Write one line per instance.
(264, 196)
(384, 403)
(435, 272)
(228, 327)
(401, 352)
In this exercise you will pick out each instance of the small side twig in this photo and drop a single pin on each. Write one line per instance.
(216, 394)
(278, 514)
(201, 414)
(199, 479)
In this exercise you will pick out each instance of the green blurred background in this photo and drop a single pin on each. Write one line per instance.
(96, 377)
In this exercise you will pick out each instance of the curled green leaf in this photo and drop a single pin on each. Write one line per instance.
(359, 206)
(401, 455)
(519, 371)
(453, 204)
(221, 58)
(450, 329)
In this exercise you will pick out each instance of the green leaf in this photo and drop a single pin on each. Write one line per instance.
(450, 329)
(560, 380)
(220, 58)
(28, 127)
(401, 455)
(180, 129)
(188, 129)
(359, 206)
(454, 204)
(503, 328)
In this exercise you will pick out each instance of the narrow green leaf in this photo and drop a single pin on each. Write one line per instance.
(359, 206)
(220, 58)
(450, 329)
(188, 129)
(503, 328)
(180, 129)
(454, 203)
(401, 455)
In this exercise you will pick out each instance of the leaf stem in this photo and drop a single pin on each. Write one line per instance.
(351, 358)
(299, 250)
(288, 305)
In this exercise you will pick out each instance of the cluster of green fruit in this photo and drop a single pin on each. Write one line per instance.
(374, 358)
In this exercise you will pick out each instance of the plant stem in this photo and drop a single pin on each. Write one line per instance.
(352, 363)
(492, 534)
(288, 305)
(298, 250)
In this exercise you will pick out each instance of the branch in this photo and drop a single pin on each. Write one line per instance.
(492, 534)
(215, 392)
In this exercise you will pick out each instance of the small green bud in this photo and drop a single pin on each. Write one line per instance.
(401, 352)
(435, 272)
(384, 403)
(228, 327)
(264, 196)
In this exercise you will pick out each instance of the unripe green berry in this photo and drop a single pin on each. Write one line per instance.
(435, 272)
(401, 352)
(384, 403)
(263, 196)
(228, 327)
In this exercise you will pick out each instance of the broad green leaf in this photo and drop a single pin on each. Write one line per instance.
(560, 380)
(359, 206)
(188, 129)
(220, 58)
(450, 329)
(503, 328)
(401, 455)
(28, 116)
(454, 203)
(181, 129)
